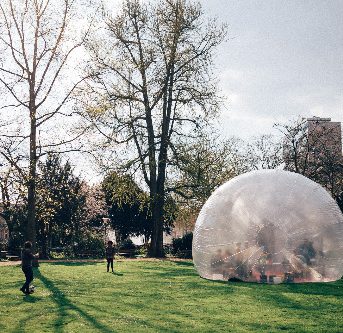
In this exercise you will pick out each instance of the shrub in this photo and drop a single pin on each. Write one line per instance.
(182, 247)
(92, 244)
(127, 244)
(142, 250)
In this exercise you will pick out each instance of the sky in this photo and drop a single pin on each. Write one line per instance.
(283, 59)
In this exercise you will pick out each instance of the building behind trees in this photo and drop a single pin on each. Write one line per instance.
(324, 134)
(4, 232)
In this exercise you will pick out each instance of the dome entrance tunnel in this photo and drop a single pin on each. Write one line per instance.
(269, 226)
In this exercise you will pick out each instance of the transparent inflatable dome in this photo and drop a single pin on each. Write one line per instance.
(269, 226)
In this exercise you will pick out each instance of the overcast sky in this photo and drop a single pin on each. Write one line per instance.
(284, 58)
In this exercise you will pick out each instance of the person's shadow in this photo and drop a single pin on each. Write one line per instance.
(64, 304)
(117, 273)
(29, 299)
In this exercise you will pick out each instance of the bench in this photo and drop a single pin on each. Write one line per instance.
(3, 254)
(57, 249)
(87, 255)
(127, 253)
(12, 257)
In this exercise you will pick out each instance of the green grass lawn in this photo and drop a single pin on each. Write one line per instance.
(161, 296)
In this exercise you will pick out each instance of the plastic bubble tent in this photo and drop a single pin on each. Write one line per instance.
(269, 226)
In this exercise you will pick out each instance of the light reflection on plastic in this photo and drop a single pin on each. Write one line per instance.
(269, 226)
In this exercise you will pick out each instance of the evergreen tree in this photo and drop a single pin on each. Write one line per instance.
(60, 205)
(129, 207)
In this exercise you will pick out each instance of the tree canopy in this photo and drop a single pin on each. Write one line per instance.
(129, 207)
(153, 82)
(37, 42)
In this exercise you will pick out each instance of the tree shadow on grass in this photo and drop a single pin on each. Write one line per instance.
(291, 297)
(297, 296)
(184, 263)
(31, 299)
(74, 263)
(169, 271)
(148, 319)
(297, 309)
(64, 304)
(20, 327)
(314, 288)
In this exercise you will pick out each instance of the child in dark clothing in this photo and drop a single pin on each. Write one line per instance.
(26, 266)
(109, 255)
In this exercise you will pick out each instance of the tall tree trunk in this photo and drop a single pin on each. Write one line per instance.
(156, 248)
(158, 198)
(31, 194)
(44, 244)
(156, 245)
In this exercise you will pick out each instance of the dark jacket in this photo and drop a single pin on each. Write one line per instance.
(109, 252)
(26, 258)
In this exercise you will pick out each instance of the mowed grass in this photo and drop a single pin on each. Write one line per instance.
(160, 296)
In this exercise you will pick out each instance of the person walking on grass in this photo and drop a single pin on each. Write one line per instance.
(26, 266)
(110, 255)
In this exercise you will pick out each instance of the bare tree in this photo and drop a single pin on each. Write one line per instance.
(264, 152)
(199, 167)
(313, 148)
(296, 147)
(202, 166)
(11, 193)
(155, 85)
(37, 42)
